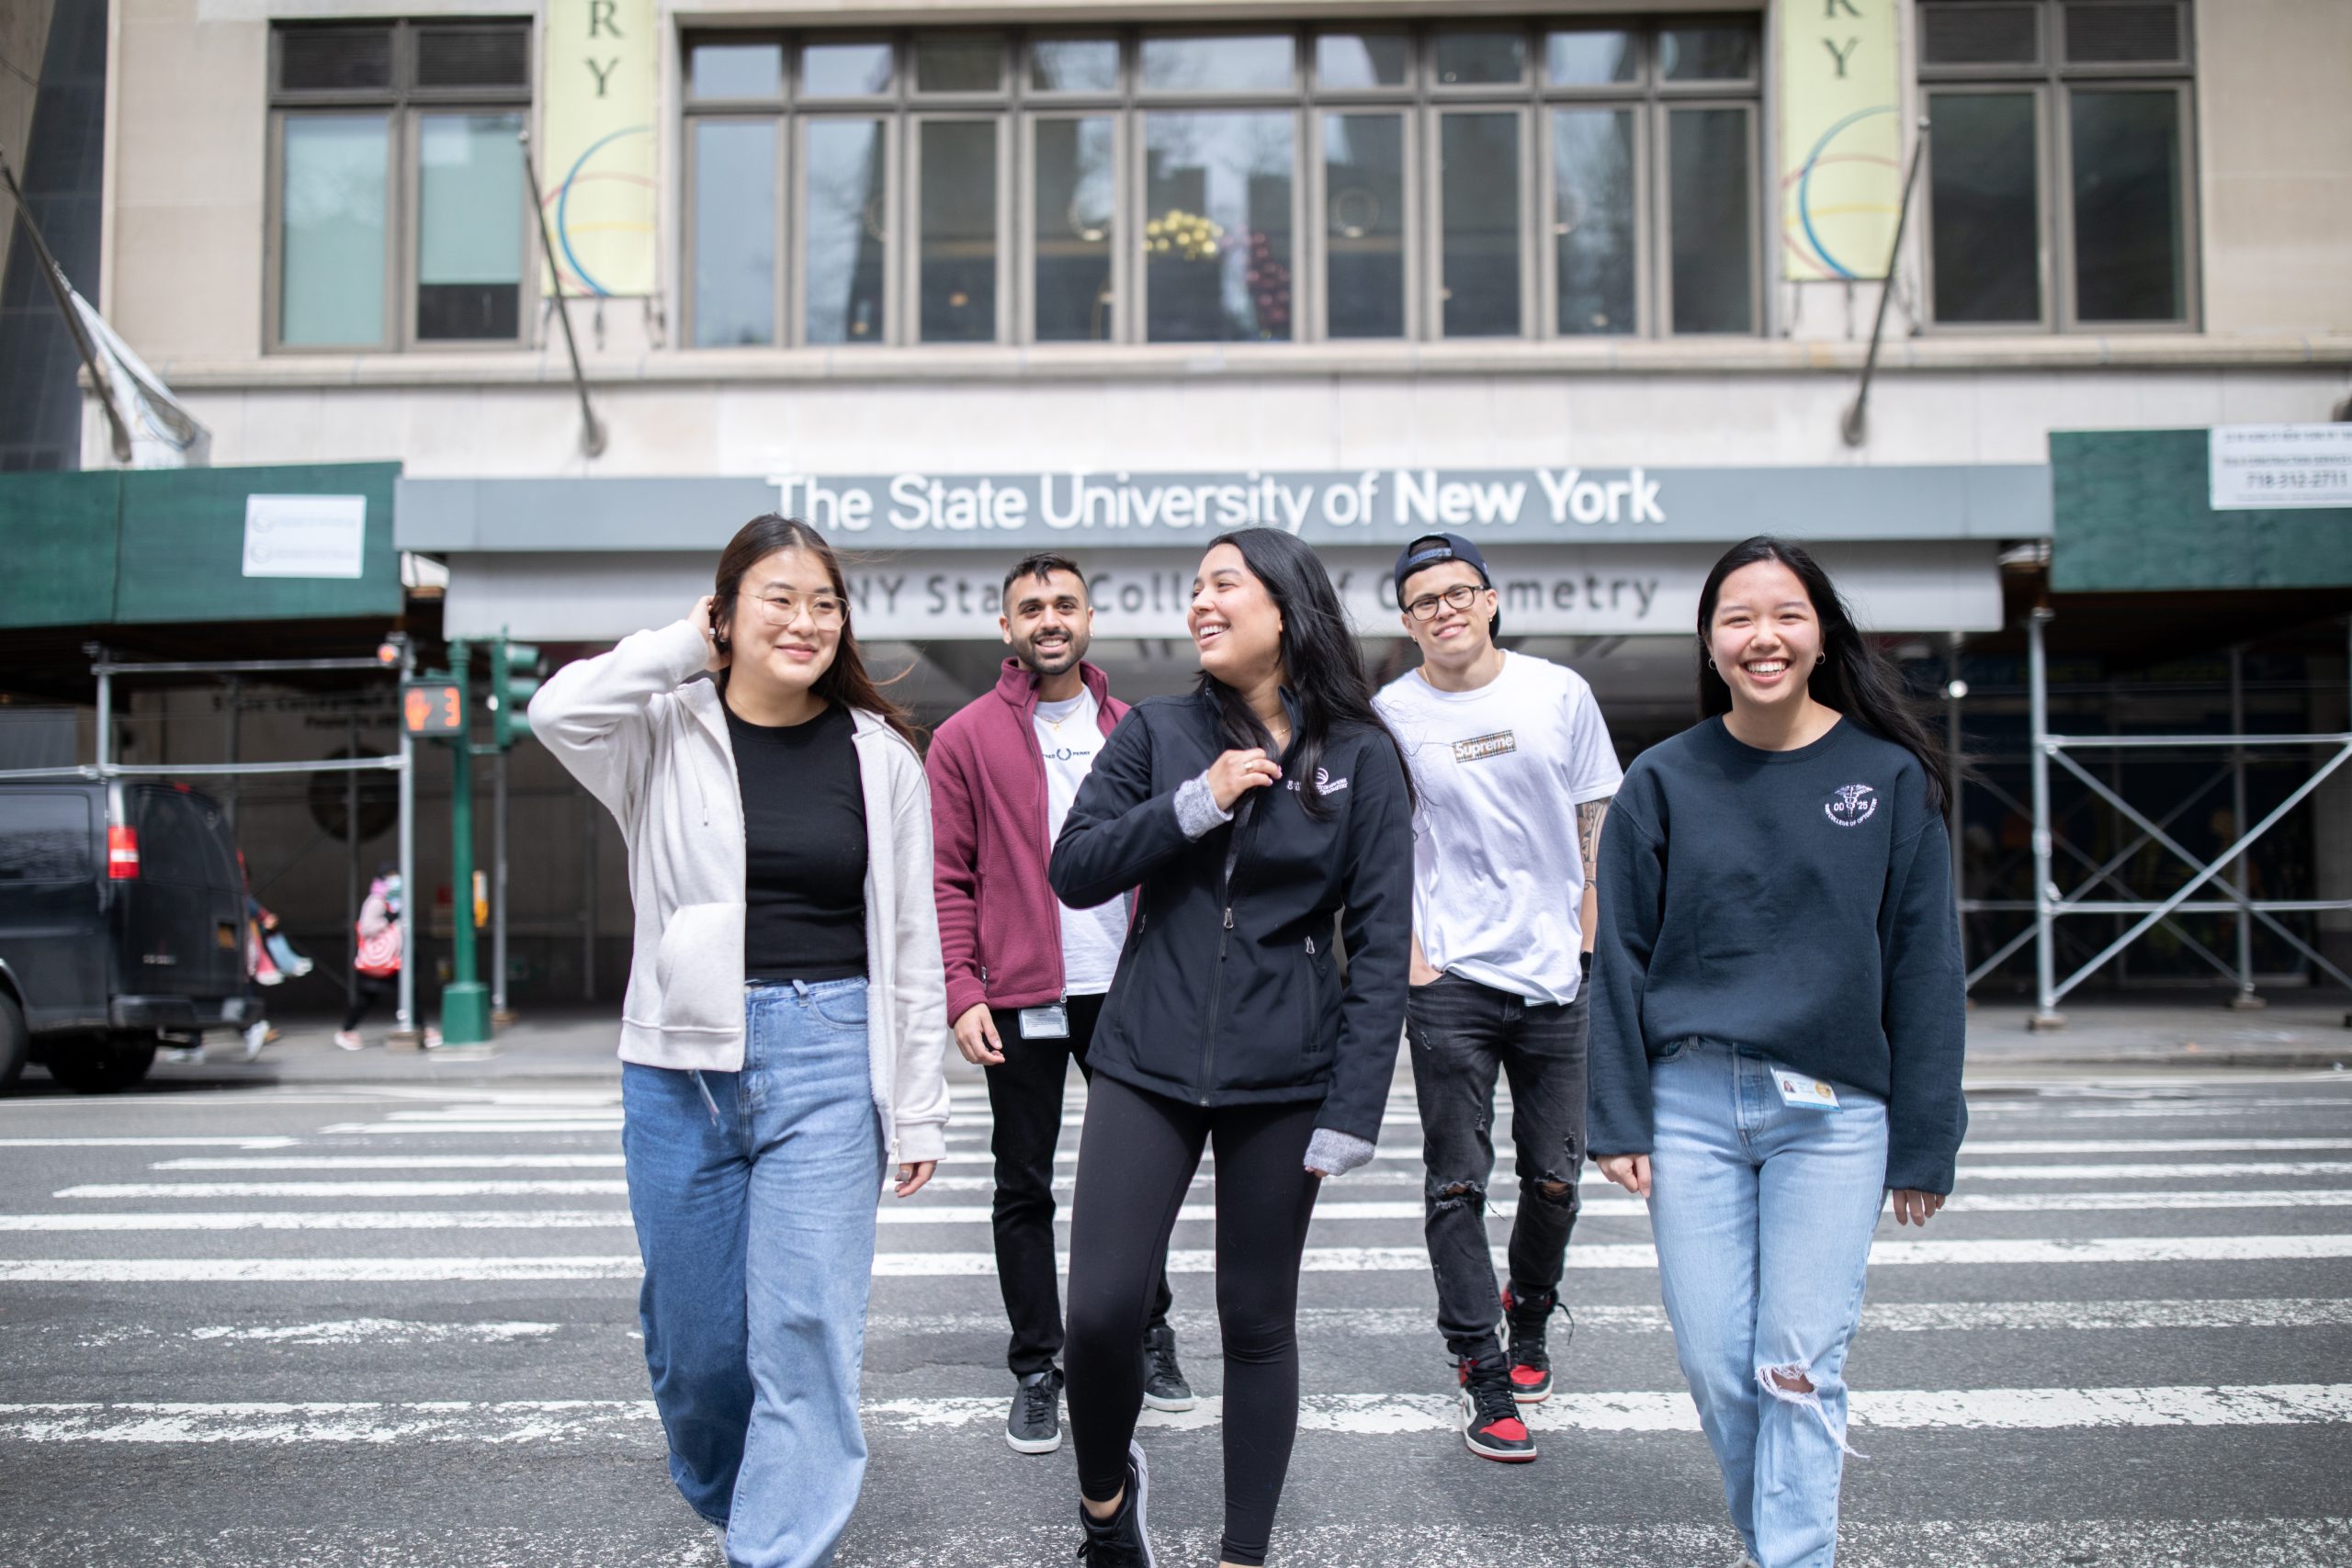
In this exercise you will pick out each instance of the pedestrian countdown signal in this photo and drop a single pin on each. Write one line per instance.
(433, 708)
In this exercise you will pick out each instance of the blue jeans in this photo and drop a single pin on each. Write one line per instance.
(754, 1194)
(1763, 1214)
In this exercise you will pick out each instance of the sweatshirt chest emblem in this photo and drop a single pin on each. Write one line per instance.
(1852, 805)
(1323, 782)
(1480, 747)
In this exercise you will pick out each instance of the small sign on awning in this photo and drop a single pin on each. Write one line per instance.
(305, 535)
(2275, 468)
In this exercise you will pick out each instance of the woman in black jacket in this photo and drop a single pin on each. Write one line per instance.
(1256, 815)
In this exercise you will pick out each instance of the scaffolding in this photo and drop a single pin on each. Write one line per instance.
(2050, 903)
(106, 670)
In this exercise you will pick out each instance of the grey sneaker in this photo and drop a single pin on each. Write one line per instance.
(1034, 1427)
(1121, 1540)
(1164, 1387)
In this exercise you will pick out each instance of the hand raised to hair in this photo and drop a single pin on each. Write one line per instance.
(1235, 773)
(704, 618)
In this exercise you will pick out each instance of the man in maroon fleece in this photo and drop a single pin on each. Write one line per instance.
(1026, 975)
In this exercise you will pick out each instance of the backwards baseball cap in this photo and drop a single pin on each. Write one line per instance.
(1429, 550)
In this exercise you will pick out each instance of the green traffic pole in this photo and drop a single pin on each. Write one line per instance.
(465, 1001)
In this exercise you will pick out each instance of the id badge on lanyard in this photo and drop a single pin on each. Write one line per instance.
(1045, 1023)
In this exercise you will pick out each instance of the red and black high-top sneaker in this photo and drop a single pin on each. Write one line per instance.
(1490, 1420)
(1530, 1361)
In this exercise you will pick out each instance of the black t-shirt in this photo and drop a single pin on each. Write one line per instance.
(803, 848)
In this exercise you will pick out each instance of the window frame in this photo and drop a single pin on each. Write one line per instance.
(1420, 101)
(403, 106)
(2052, 81)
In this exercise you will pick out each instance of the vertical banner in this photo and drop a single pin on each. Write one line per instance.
(597, 165)
(1841, 138)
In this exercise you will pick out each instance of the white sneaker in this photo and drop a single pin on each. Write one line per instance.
(348, 1040)
(256, 1036)
(186, 1055)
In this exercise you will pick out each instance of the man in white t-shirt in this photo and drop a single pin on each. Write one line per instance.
(1027, 974)
(1514, 768)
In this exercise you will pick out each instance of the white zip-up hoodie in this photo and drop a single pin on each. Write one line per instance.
(648, 738)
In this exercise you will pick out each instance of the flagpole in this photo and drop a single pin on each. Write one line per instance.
(99, 380)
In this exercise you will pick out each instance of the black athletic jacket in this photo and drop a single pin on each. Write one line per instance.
(1227, 991)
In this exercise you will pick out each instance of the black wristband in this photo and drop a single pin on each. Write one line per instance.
(1584, 964)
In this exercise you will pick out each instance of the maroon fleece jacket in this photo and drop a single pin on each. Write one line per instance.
(999, 927)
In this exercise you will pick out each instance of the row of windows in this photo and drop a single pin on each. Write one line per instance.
(1495, 180)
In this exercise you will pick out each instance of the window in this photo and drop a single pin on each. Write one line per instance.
(47, 837)
(400, 217)
(1239, 185)
(2058, 162)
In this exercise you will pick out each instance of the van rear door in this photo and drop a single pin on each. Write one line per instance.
(52, 917)
(185, 914)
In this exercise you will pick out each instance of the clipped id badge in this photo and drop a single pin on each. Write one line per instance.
(1045, 1023)
(1802, 1091)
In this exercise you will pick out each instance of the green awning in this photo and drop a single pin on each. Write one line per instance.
(2131, 512)
(163, 545)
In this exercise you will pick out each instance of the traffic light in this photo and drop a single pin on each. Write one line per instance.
(435, 706)
(514, 671)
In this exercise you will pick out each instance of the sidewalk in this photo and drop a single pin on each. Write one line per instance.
(2173, 1034)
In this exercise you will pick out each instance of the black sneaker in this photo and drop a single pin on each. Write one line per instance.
(1121, 1540)
(1530, 1361)
(1164, 1387)
(1036, 1425)
(1490, 1419)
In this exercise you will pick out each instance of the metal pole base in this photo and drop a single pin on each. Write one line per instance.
(2245, 1001)
(465, 1013)
(502, 1017)
(2046, 1023)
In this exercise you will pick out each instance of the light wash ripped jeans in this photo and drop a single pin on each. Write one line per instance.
(754, 1195)
(1763, 1214)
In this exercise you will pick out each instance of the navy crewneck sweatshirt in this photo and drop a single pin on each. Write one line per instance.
(1799, 902)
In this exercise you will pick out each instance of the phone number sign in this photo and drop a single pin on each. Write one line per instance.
(2273, 467)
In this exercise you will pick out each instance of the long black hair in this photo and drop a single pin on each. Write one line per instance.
(1322, 665)
(1853, 676)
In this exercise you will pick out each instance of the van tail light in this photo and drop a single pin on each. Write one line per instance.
(122, 853)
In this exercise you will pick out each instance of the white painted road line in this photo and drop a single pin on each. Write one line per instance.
(374, 1331)
(964, 1214)
(601, 1187)
(330, 1220)
(397, 1162)
(232, 1141)
(536, 1422)
(1899, 1317)
(1980, 1147)
(438, 1129)
(1180, 1260)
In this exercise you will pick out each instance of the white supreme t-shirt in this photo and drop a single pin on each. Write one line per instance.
(1069, 734)
(1497, 877)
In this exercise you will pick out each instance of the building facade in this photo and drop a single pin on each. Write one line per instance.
(1596, 283)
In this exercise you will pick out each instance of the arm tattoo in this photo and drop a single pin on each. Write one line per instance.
(1589, 815)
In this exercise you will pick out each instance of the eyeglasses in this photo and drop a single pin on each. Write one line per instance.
(783, 609)
(1458, 597)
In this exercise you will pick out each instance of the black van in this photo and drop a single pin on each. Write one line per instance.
(122, 920)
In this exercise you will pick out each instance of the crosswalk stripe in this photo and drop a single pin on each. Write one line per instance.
(2153, 1171)
(413, 1129)
(979, 1214)
(1980, 1147)
(1897, 1317)
(585, 1186)
(550, 1421)
(398, 1162)
(232, 1141)
(1180, 1260)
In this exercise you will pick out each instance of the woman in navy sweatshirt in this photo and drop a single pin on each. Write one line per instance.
(1777, 1025)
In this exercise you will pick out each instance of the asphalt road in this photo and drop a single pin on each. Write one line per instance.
(343, 1326)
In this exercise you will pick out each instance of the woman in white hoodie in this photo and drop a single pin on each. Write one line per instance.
(784, 1025)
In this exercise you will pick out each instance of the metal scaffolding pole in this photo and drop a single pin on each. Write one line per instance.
(351, 868)
(2045, 891)
(497, 1013)
(2245, 997)
(1955, 689)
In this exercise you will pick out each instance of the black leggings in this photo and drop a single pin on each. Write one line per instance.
(371, 989)
(1135, 1157)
